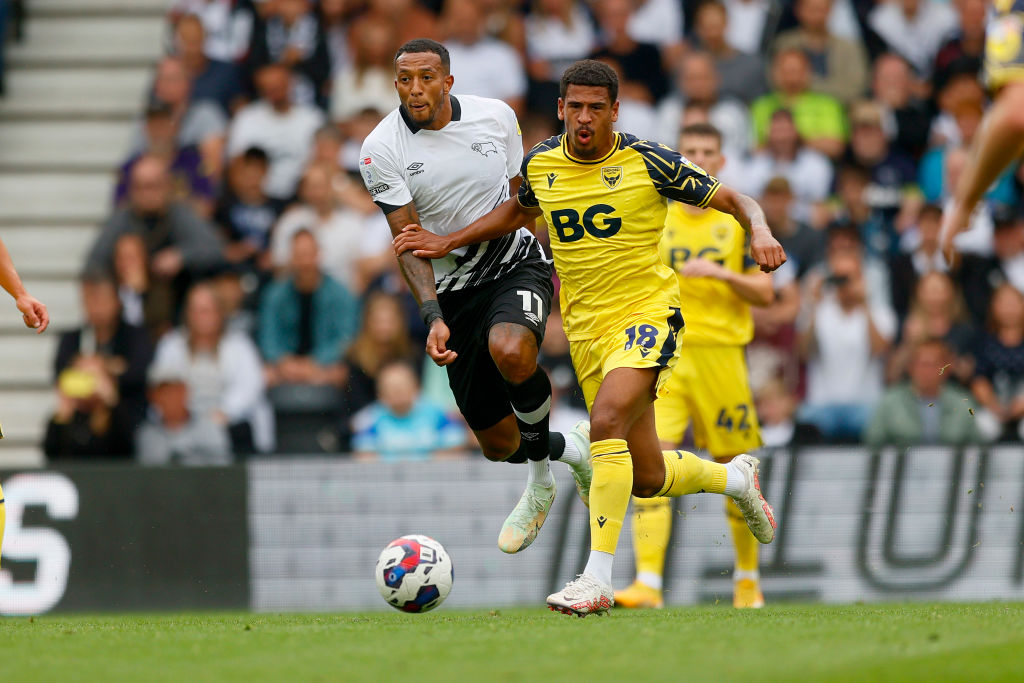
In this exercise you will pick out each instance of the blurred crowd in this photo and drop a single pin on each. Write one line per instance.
(243, 297)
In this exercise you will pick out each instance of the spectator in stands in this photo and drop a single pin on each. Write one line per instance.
(915, 29)
(180, 244)
(334, 18)
(808, 171)
(190, 179)
(698, 83)
(844, 338)
(926, 408)
(748, 23)
(383, 336)
(223, 370)
(839, 65)
(776, 411)
(199, 123)
(742, 75)
(4, 10)
(172, 434)
(922, 254)
(852, 207)
(485, 66)
(211, 79)
(819, 118)
(406, 19)
(964, 51)
(936, 312)
(279, 126)
(328, 151)
(998, 385)
(659, 22)
(400, 424)
(146, 301)
(558, 32)
(227, 25)
(979, 237)
(979, 275)
(307, 321)
(893, 188)
(773, 351)
(290, 34)
(642, 77)
(805, 246)
(905, 117)
(100, 371)
(245, 214)
(368, 80)
(347, 238)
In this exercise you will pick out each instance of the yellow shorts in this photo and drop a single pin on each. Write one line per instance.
(641, 341)
(709, 385)
(1004, 47)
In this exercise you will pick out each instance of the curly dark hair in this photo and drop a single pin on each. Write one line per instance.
(427, 45)
(590, 72)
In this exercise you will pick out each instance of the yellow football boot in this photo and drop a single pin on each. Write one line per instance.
(639, 596)
(746, 594)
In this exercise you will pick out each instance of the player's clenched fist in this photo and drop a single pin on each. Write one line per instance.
(766, 250)
(437, 341)
(422, 243)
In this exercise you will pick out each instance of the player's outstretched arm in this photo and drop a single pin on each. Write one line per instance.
(420, 275)
(764, 248)
(33, 311)
(502, 220)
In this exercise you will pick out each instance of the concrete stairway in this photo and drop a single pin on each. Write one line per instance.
(74, 86)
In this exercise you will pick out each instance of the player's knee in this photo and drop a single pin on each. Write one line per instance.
(607, 424)
(647, 485)
(498, 447)
(515, 361)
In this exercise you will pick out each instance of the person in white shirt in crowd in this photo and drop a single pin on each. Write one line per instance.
(698, 83)
(844, 336)
(367, 81)
(808, 171)
(659, 22)
(347, 237)
(283, 129)
(743, 75)
(223, 372)
(747, 19)
(558, 32)
(487, 67)
(227, 23)
(915, 29)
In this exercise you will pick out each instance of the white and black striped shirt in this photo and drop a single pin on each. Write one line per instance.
(453, 176)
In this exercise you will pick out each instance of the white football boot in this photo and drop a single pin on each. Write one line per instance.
(582, 596)
(527, 517)
(756, 510)
(583, 473)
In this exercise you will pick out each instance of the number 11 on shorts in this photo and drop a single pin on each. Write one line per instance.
(529, 298)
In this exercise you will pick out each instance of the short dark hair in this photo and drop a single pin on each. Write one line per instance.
(256, 154)
(703, 130)
(930, 211)
(590, 72)
(427, 45)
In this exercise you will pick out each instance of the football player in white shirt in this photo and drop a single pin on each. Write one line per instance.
(443, 162)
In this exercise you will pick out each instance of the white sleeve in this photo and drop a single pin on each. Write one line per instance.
(884, 319)
(243, 378)
(382, 176)
(281, 241)
(513, 143)
(240, 134)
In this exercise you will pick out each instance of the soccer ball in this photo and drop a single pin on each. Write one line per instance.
(414, 573)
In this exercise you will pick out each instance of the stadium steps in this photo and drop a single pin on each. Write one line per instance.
(75, 85)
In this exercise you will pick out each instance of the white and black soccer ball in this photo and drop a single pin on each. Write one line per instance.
(414, 573)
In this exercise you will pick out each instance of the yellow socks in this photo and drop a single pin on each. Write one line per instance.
(652, 526)
(742, 539)
(610, 490)
(686, 473)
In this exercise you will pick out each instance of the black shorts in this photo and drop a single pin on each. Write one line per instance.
(523, 296)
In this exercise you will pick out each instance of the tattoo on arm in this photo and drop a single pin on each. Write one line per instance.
(418, 272)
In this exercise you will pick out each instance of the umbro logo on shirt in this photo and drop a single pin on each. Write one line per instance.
(551, 178)
(415, 168)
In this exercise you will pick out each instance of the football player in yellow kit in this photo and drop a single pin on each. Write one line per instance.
(718, 282)
(33, 313)
(603, 196)
(1000, 138)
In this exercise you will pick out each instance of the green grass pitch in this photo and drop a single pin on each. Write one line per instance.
(899, 642)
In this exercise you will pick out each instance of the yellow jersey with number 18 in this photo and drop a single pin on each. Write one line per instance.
(715, 314)
(605, 218)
